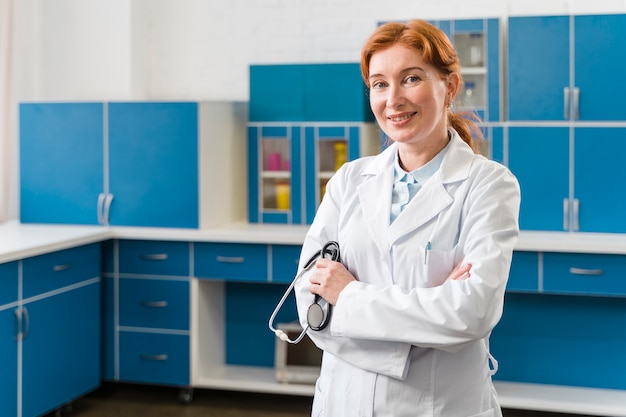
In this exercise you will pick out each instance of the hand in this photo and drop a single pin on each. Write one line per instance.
(329, 278)
(461, 271)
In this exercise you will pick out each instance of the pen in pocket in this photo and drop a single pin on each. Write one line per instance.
(426, 250)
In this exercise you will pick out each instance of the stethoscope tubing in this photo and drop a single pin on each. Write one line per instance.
(330, 248)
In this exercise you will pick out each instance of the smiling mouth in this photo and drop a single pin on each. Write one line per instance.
(401, 118)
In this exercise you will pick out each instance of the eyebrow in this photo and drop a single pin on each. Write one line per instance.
(410, 69)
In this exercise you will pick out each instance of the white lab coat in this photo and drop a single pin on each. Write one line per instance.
(402, 340)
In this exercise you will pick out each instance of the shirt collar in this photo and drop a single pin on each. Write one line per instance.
(421, 174)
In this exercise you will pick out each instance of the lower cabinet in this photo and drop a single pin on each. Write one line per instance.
(564, 321)
(147, 312)
(50, 334)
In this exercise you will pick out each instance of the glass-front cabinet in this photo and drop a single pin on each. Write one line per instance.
(305, 121)
(290, 165)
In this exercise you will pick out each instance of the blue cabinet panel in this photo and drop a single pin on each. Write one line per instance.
(154, 164)
(148, 257)
(231, 261)
(308, 92)
(285, 262)
(539, 158)
(599, 179)
(63, 341)
(8, 283)
(524, 274)
(154, 358)
(596, 56)
(55, 270)
(8, 362)
(154, 303)
(61, 162)
(588, 274)
(247, 310)
(538, 67)
(561, 340)
(108, 328)
(276, 93)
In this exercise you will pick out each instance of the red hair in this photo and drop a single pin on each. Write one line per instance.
(436, 50)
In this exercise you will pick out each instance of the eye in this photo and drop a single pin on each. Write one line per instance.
(377, 85)
(412, 79)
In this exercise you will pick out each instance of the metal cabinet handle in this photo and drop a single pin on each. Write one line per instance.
(583, 271)
(107, 208)
(575, 211)
(154, 256)
(566, 103)
(154, 304)
(100, 208)
(231, 259)
(18, 320)
(25, 323)
(576, 100)
(566, 214)
(162, 357)
(60, 268)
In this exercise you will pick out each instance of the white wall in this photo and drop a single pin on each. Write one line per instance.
(201, 49)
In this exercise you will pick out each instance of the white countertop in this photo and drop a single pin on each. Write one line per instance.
(18, 241)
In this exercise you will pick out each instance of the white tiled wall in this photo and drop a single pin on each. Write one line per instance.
(201, 49)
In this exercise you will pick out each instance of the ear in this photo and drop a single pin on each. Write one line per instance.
(453, 86)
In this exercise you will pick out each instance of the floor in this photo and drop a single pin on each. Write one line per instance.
(127, 400)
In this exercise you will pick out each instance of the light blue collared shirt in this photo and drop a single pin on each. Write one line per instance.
(407, 184)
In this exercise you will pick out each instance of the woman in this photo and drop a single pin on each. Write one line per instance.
(409, 331)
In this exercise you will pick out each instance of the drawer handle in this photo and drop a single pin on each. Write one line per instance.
(231, 259)
(154, 256)
(154, 304)
(582, 271)
(159, 358)
(59, 268)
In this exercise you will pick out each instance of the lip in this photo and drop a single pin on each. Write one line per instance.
(401, 118)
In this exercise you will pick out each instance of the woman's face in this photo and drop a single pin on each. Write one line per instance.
(409, 97)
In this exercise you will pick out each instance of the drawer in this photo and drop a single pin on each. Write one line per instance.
(285, 262)
(154, 257)
(58, 269)
(576, 273)
(154, 358)
(524, 275)
(154, 303)
(8, 283)
(231, 261)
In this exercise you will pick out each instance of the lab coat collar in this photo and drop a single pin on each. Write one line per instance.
(375, 193)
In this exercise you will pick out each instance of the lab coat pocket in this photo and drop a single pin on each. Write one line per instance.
(437, 265)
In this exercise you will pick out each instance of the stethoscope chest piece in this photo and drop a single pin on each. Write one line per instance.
(316, 317)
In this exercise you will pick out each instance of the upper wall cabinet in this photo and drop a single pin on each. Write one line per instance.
(123, 164)
(563, 68)
(477, 42)
(308, 93)
(305, 122)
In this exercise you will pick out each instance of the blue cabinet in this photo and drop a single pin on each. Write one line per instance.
(304, 122)
(113, 163)
(147, 312)
(568, 176)
(477, 42)
(50, 331)
(571, 75)
(9, 329)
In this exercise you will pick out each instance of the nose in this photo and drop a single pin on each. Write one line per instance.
(396, 98)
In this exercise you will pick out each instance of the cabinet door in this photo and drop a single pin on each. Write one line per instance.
(598, 40)
(276, 93)
(61, 349)
(538, 67)
(599, 179)
(61, 162)
(153, 151)
(8, 362)
(539, 158)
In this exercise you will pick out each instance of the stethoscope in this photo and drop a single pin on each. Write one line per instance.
(317, 317)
